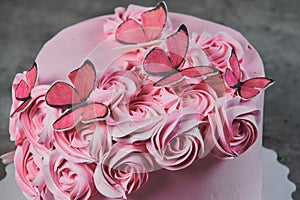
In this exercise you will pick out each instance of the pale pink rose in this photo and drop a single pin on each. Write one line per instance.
(136, 118)
(178, 143)
(68, 180)
(84, 143)
(29, 176)
(115, 85)
(200, 97)
(35, 123)
(233, 128)
(123, 170)
(218, 48)
(123, 14)
(166, 97)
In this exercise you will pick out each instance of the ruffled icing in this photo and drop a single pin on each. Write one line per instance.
(68, 180)
(29, 175)
(123, 170)
(233, 128)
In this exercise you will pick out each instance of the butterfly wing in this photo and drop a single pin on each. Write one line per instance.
(169, 80)
(154, 21)
(86, 114)
(130, 32)
(62, 95)
(31, 76)
(68, 120)
(21, 107)
(231, 80)
(177, 45)
(250, 88)
(234, 64)
(232, 76)
(94, 111)
(23, 89)
(199, 71)
(84, 79)
(157, 63)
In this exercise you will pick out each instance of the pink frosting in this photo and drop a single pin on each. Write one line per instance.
(68, 180)
(200, 97)
(116, 85)
(28, 172)
(218, 48)
(84, 143)
(123, 170)
(232, 128)
(137, 118)
(35, 123)
(123, 14)
(178, 143)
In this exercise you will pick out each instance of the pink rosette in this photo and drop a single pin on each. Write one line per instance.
(86, 143)
(232, 128)
(121, 15)
(218, 48)
(35, 123)
(115, 85)
(136, 119)
(178, 143)
(29, 176)
(68, 180)
(123, 170)
(200, 97)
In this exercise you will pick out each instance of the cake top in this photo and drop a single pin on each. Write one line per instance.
(149, 91)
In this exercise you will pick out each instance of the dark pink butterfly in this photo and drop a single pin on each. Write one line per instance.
(249, 88)
(151, 25)
(168, 64)
(23, 89)
(74, 97)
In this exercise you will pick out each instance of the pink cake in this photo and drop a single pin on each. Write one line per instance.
(141, 104)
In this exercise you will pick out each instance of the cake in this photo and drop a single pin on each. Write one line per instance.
(140, 104)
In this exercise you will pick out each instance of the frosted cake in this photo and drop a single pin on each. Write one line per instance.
(140, 104)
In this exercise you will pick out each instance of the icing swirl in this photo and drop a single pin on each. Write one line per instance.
(233, 128)
(178, 143)
(68, 180)
(123, 170)
(29, 175)
(84, 143)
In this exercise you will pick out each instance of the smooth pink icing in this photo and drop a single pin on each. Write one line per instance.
(209, 178)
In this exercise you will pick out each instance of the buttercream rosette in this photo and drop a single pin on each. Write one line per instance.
(121, 123)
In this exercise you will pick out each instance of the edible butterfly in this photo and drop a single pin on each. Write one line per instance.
(152, 23)
(74, 97)
(23, 89)
(168, 64)
(246, 89)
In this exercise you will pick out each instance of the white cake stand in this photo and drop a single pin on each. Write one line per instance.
(276, 185)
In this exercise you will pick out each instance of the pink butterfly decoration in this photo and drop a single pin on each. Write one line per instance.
(168, 64)
(74, 97)
(246, 89)
(152, 23)
(23, 89)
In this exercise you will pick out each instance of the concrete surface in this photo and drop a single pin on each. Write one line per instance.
(272, 26)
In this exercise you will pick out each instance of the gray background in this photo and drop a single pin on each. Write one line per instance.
(272, 26)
